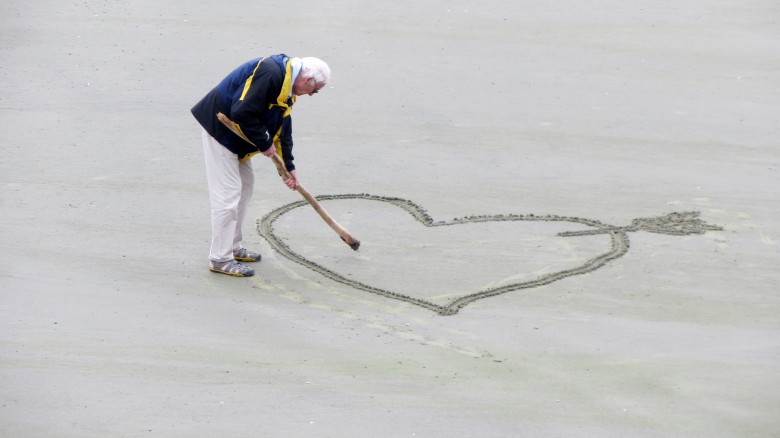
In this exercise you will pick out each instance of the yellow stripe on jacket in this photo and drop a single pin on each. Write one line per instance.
(281, 101)
(248, 82)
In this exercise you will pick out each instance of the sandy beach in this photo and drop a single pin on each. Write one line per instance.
(513, 171)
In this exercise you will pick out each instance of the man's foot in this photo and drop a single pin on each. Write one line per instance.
(231, 267)
(245, 255)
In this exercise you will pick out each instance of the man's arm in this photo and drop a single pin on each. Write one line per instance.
(286, 141)
(286, 148)
(249, 108)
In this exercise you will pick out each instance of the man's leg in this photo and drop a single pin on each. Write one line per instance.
(247, 175)
(224, 181)
(247, 186)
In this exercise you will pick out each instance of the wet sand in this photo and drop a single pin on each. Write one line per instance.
(581, 320)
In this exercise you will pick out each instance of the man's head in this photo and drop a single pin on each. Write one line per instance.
(314, 75)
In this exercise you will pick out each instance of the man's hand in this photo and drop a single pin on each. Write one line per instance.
(292, 183)
(269, 152)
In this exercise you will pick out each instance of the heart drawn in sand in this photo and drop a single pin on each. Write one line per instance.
(677, 223)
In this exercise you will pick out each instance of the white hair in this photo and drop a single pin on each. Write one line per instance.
(315, 68)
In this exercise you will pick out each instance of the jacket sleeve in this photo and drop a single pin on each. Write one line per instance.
(250, 105)
(287, 143)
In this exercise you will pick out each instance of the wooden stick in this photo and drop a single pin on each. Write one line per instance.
(280, 167)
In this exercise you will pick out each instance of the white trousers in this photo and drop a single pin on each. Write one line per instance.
(231, 184)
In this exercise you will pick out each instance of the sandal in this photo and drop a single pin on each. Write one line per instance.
(231, 267)
(245, 255)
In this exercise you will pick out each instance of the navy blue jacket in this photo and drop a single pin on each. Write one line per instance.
(256, 96)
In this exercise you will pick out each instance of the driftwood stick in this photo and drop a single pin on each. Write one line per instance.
(280, 167)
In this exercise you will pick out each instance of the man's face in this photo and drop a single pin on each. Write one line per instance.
(303, 86)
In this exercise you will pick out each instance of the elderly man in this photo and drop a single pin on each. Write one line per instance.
(258, 96)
